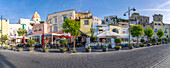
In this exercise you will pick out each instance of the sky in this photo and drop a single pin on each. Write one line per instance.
(16, 9)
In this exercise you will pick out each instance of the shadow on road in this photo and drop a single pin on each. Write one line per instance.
(4, 62)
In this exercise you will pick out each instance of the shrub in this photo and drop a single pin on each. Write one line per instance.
(163, 41)
(117, 46)
(159, 40)
(63, 48)
(46, 48)
(142, 40)
(153, 40)
(31, 47)
(74, 51)
(166, 39)
(148, 44)
(131, 44)
(88, 48)
(19, 47)
(118, 40)
(141, 44)
(30, 41)
(6, 47)
(105, 47)
(63, 42)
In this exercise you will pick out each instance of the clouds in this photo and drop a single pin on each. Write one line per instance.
(160, 9)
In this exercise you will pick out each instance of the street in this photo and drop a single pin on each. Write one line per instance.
(146, 57)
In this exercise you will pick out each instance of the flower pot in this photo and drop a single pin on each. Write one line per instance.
(46, 50)
(63, 50)
(130, 47)
(88, 50)
(20, 50)
(104, 50)
(117, 48)
(141, 45)
(148, 45)
(31, 49)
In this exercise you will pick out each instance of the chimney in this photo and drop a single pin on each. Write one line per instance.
(86, 11)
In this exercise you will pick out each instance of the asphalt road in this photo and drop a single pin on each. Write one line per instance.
(145, 57)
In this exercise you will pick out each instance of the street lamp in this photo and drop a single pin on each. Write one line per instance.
(133, 9)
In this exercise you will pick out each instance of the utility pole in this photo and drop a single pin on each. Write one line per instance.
(129, 19)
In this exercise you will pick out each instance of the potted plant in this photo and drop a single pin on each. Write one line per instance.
(46, 49)
(63, 42)
(153, 41)
(30, 42)
(142, 40)
(159, 40)
(31, 49)
(118, 41)
(19, 49)
(6, 47)
(141, 45)
(117, 47)
(131, 46)
(163, 42)
(88, 49)
(105, 49)
(12, 47)
(148, 44)
(166, 41)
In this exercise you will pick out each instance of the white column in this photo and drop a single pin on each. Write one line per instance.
(52, 39)
(40, 39)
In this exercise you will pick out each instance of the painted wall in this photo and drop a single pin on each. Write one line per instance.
(115, 27)
(5, 24)
(86, 28)
(40, 29)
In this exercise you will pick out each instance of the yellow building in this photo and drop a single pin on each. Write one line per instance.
(86, 22)
(115, 28)
(4, 29)
(157, 24)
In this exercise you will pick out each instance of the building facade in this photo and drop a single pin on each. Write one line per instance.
(157, 24)
(86, 22)
(4, 30)
(110, 20)
(97, 20)
(40, 29)
(56, 20)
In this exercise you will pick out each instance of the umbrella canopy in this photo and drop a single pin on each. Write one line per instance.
(65, 36)
(123, 35)
(23, 40)
(108, 34)
(43, 40)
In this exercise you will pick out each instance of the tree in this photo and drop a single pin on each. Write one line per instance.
(160, 34)
(72, 27)
(92, 33)
(41, 22)
(149, 32)
(63, 42)
(21, 32)
(136, 31)
(30, 42)
(4, 38)
(118, 40)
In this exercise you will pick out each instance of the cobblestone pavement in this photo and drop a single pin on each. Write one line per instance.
(145, 57)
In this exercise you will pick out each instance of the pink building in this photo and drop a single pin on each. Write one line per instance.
(40, 29)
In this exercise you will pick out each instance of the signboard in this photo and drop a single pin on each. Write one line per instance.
(87, 40)
(112, 42)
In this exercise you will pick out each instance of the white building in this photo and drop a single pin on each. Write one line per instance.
(56, 20)
(110, 20)
(97, 20)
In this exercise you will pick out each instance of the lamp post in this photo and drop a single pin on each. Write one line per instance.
(132, 9)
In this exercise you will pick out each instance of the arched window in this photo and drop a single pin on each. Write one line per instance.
(155, 30)
(115, 30)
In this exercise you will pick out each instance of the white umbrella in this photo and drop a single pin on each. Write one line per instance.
(108, 34)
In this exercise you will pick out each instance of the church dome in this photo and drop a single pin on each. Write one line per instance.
(36, 15)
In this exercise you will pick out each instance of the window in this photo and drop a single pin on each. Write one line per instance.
(135, 19)
(86, 22)
(64, 18)
(36, 19)
(159, 19)
(141, 19)
(165, 31)
(159, 24)
(115, 30)
(50, 22)
(123, 31)
(155, 30)
(106, 19)
(146, 20)
(55, 20)
(40, 29)
(155, 24)
(55, 28)
(35, 29)
(51, 29)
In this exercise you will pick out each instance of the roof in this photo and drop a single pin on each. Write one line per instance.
(61, 11)
(36, 15)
